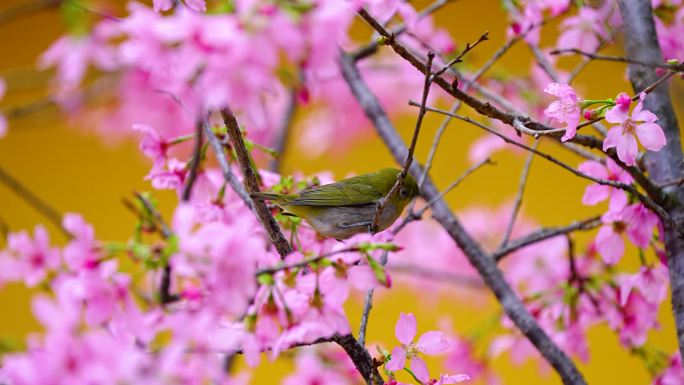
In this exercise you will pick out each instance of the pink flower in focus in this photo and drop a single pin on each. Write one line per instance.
(565, 110)
(596, 193)
(641, 124)
(33, 258)
(583, 31)
(432, 342)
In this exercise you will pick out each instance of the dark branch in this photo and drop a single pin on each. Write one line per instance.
(543, 234)
(665, 165)
(252, 185)
(33, 200)
(482, 262)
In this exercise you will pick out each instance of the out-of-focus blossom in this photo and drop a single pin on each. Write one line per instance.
(29, 259)
(636, 221)
(583, 31)
(595, 193)
(673, 373)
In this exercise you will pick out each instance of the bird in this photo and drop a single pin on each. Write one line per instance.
(342, 209)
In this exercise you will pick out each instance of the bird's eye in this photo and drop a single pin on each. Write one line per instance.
(404, 192)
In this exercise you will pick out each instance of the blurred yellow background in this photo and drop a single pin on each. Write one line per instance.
(77, 171)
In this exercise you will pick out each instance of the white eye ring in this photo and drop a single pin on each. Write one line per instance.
(403, 192)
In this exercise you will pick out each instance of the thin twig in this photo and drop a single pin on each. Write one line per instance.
(469, 47)
(372, 47)
(24, 9)
(368, 305)
(284, 131)
(416, 270)
(676, 67)
(412, 216)
(305, 262)
(194, 163)
(42, 207)
(4, 229)
(543, 234)
(228, 175)
(646, 200)
(373, 228)
(483, 263)
(518, 197)
(252, 185)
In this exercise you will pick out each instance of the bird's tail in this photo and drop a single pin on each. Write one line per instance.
(264, 196)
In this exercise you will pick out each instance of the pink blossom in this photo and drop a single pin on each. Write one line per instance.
(565, 110)
(431, 343)
(641, 124)
(652, 282)
(528, 22)
(636, 221)
(673, 373)
(33, 258)
(72, 54)
(152, 144)
(583, 31)
(80, 253)
(596, 193)
(451, 379)
(633, 319)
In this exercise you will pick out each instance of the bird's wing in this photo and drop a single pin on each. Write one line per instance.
(338, 194)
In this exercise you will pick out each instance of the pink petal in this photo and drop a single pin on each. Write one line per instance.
(618, 200)
(651, 136)
(162, 5)
(593, 168)
(617, 114)
(627, 149)
(419, 368)
(595, 193)
(398, 360)
(405, 329)
(612, 138)
(433, 342)
(644, 116)
(197, 5)
(609, 245)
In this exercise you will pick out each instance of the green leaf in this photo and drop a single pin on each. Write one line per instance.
(266, 279)
(378, 270)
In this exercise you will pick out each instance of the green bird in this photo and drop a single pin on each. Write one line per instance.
(341, 209)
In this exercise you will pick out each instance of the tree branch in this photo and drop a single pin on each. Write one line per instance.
(23, 192)
(544, 234)
(665, 165)
(252, 185)
(482, 262)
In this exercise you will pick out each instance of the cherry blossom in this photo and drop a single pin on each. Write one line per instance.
(584, 31)
(564, 110)
(432, 342)
(595, 193)
(636, 221)
(640, 124)
(29, 259)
